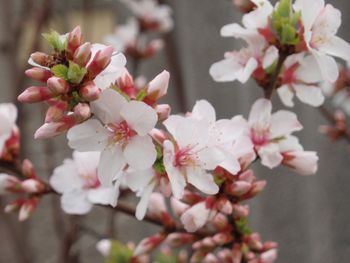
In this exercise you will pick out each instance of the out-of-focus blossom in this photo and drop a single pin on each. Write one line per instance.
(301, 76)
(196, 217)
(120, 132)
(8, 116)
(148, 244)
(8, 184)
(76, 179)
(152, 16)
(321, 23)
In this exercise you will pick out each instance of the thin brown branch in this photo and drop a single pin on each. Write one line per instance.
(268, 91)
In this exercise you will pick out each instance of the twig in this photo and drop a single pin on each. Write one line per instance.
(268, 91)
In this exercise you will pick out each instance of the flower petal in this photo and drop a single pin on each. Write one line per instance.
(270, 155)
(75, 202)
(311, 95)
(86, 162)
(88, 136)
(225, 70)
(139, 116)
(261, 111)
(286, 95)
(202, 180)
(137, 180)
(140, 153)
(204, 110)
(141, 208)
(284, 123)
(66, 177)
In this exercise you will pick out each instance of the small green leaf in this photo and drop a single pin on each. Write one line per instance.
(75, 73)
(159, 167)
(119, 253)
(242, 226)
(55, 40)
(164, 258)
(60, 71)
(141, 95)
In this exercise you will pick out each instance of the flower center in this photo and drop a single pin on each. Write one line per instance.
(122, 132)
(185, 157)
(90, 180)
(259, 135)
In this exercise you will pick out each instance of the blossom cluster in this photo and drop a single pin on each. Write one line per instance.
(299, 40)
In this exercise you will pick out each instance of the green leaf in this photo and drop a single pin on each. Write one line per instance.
(75, 73)
(141, 95)
(159, 167)
(55, 40)
(60, 71)
(119, 253)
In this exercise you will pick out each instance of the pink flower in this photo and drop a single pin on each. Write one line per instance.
(196, 217)
(76, 179)
(120, 132)
(8, 116)
(321, 23)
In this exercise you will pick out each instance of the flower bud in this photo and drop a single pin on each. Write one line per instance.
(253, 241)
(100, 61)
(74, 40)
(83, 54)
(177, 206)
(222, 238)
(210, 258)
(179, 239)
(104, 247)
(126, 84)
(152, 48)
(256, 188)
(90, 91)
(27, 209)
(237, 254)
(224, 206)
(56, 111)
(304, 162)
(158, 87)
(39, 74)
(14, 206)
(32, 186)
(40, 58)
(245, 6)
(158, 135)
(8, 183)
(220, 222)
(148, 244)
(238, 188)
(269, 256)
(28, 169)
(195, 217)
(240, 211)
(58, 85)
(82, 112)
(163, 111)
(36, 94)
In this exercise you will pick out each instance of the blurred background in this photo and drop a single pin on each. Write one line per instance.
(308, 216)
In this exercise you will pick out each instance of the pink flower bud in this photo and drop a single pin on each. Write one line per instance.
(269, 256)
(152, 48)
(90, 91)
(32, 186)
(163, 111)
(36, 94)
(28, 169)
(83, 54)
(210, 258)
(82, 112)
(158, 135)
(148, 244)
(195, 217)
(39, 74)
(158, 87)
(158, 207)
(256, 189)
(14, 206)
(75, 39)
(100, 61)
(254, 241)
(245, 6)
(56, 111)
(304, 162)
(222, 238)
(178, 207)
(9, 184)
(224, 206)
(247, 176)
(58, 85)
(270, 245)
(40, 58)
(220, 222)
(179, 239)
(27, 209)
(126, 84)
(238, 188)
(240, 211)
(237, 254)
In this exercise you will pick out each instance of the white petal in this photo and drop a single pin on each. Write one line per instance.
(327, 65)
(66, 177)
(172, 122)
(271, 55)
(192, 132)
(204, 110)
(111, 163)
(86, 162)
(8, 116)
(291, 143)
(309, 11)
(311, 95)
(195, 217)
(88, 136)
(225, 70)
(103, 195)
(258, 18)
(270, 155)
(231, 165)
(309, 71)
(261, 110)
(284, 123)
(139, 116)
(137, 180)
(202, 180)
(176, 178)
(210, 157)
(108, 106)
(337, 47)
(248, 70)
(140, 153)
(286, 95)
(75, 202)
(141, 208)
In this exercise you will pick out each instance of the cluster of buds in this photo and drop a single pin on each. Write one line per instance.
(338, 129)
(68, 74)
(29, 190)
(11, 148)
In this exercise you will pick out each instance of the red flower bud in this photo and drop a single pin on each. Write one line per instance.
(90, 91)
(39, 74)
(36, 94)
(58, 85)
(83, 54)
(75, 39)
(100, 62)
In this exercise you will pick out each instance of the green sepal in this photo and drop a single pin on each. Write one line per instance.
(55, 40)
(242, 226)
(119, 253)
(141, 94)
(164, 258)
(60, 71)
(75, 73)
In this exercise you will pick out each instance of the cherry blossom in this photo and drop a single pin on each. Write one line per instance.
(152, 15)
(196, 217)
(76, 179)
(240, 65)
(120, 132)
(8, 116)
(321, 23)
(301, 76)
